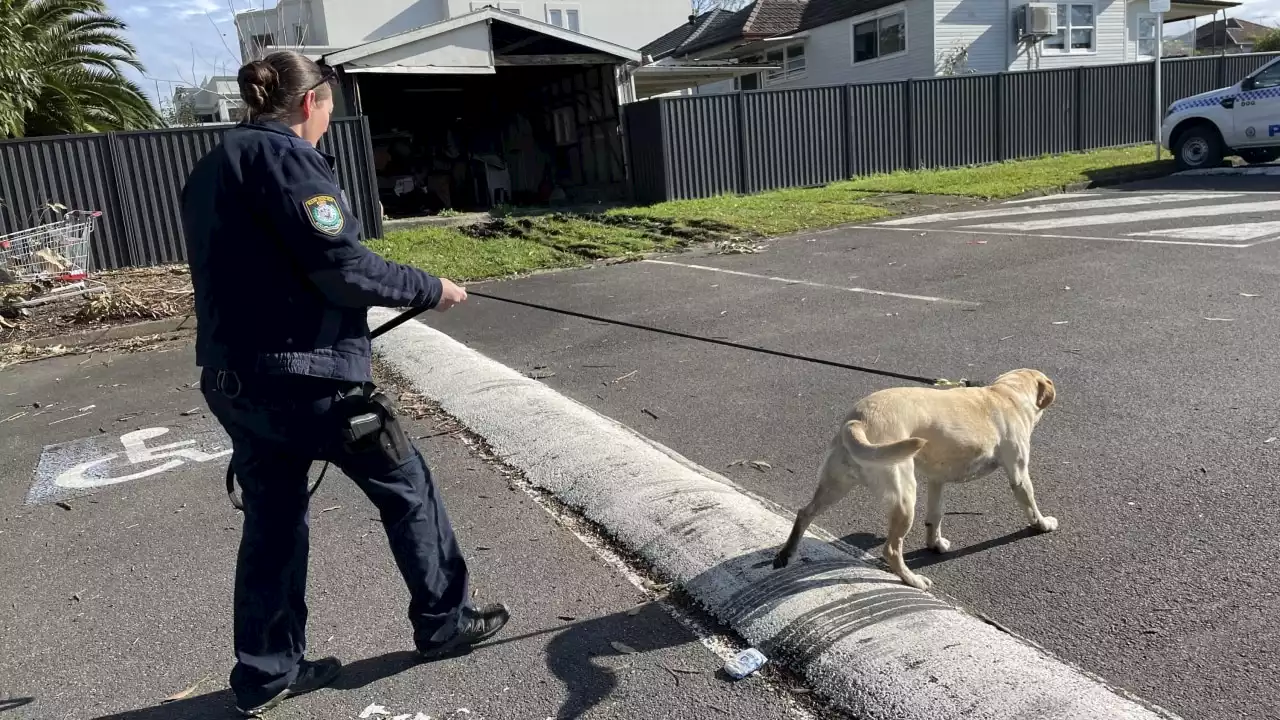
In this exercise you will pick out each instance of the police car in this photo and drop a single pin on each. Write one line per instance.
(1243, 120)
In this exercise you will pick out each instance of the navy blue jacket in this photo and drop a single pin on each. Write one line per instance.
(282, 280)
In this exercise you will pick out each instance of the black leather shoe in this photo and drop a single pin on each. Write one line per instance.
(478, 624)
(311, 676)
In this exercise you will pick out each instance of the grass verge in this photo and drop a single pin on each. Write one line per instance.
(1008, 179)
(513, 245)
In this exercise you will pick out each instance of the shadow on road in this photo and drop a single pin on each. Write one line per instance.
(15, 703)
(575, 655)
(924, 557)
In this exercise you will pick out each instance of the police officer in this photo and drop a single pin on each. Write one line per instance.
(282, 285)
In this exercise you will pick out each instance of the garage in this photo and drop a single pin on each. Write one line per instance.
(486, 110)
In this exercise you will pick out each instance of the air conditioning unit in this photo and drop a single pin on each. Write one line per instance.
(1037, 20)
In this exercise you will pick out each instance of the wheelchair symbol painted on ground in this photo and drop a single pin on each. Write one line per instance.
(136, 453)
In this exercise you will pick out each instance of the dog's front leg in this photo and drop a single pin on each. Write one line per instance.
(1020, 482)
(933, 520)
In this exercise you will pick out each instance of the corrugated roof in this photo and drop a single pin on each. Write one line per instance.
(825, 12)
(760, 19)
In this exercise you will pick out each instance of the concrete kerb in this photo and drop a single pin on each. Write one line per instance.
(868, 643)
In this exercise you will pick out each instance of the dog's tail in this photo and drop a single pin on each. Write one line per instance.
(863, 450)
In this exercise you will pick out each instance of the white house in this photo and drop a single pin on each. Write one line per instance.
(338, 24)
(827, 42)
(216, 100)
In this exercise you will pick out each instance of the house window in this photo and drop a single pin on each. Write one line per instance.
(564, 127)
(790, 61)
(1076, 25)
(880, 37)
(1147, 36)
(263, 40)
(747, 82)
(565, 16)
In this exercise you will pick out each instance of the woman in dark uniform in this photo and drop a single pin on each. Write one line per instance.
(282, 286)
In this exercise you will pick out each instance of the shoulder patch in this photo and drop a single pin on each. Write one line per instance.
(325, 214)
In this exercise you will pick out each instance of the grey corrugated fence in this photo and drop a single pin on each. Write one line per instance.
(701, 146)
(136, 178)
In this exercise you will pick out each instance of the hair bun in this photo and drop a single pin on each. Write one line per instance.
(258, 81)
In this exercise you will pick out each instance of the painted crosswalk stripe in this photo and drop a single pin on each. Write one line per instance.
(1238, 232)
(1195, 211)
(1049, 198)
(1082, 205)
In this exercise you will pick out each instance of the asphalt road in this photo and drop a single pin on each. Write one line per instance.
(1158, 460)
(120, 597)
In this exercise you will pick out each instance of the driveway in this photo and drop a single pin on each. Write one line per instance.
(1152, 306)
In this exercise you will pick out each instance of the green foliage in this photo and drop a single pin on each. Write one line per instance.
(1269, 42)
(61, 70)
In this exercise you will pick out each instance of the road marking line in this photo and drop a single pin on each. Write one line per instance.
(1107, 202)
(1262, 170)
(789, 281)
(1196, 211)
(1241, 231)
(1049, 198)
(987, 233)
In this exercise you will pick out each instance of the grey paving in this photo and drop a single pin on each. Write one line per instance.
(123, 600)
(1158, 460)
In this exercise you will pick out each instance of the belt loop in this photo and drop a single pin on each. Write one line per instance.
(222, 383)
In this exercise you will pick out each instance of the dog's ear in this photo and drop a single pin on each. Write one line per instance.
(1045, 393)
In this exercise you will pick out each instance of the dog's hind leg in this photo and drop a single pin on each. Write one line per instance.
(933, 519)
(834, 482)
(1015, 467)
(902, 510)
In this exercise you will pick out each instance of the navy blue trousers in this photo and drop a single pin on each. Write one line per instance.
(278, 426)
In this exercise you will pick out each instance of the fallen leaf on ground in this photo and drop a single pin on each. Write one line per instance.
(1249, 295)
(760, 465)
(1213, 319)
(185, 693)
(623, 648)
(372, 710)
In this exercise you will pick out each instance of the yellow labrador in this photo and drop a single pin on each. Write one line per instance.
(941, 436)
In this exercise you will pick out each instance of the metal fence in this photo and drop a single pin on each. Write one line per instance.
(136, 179)
(702, 146)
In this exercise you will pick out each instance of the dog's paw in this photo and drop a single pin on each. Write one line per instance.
(940, 545)
(918, 582)
(1047, 524)
(780, 561)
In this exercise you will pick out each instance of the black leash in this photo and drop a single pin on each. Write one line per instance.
(408, 315)
(939, 382)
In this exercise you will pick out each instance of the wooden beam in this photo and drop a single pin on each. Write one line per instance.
(570, 59)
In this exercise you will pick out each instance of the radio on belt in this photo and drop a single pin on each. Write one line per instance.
(361, 426)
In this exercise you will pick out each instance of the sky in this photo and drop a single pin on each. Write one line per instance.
(183, 41)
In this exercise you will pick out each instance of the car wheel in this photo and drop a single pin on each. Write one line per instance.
(1259, 157)
(1198, 147)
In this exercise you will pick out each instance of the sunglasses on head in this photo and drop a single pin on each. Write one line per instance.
(327, 75)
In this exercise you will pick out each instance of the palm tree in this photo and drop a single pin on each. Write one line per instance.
(62, 70)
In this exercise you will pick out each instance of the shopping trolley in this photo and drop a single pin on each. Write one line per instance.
(54, 255)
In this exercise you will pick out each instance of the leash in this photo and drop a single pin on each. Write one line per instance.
(936, 382)
(408, 315)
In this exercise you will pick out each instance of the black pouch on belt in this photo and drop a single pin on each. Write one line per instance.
(370, 422)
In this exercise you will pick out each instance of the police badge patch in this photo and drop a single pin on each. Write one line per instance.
(325, 214)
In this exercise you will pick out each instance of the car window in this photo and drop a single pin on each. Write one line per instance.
(1267, 78)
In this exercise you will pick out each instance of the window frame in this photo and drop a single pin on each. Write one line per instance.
(876, 17)
(766, 77)
(564, 9)
(1065, 30)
